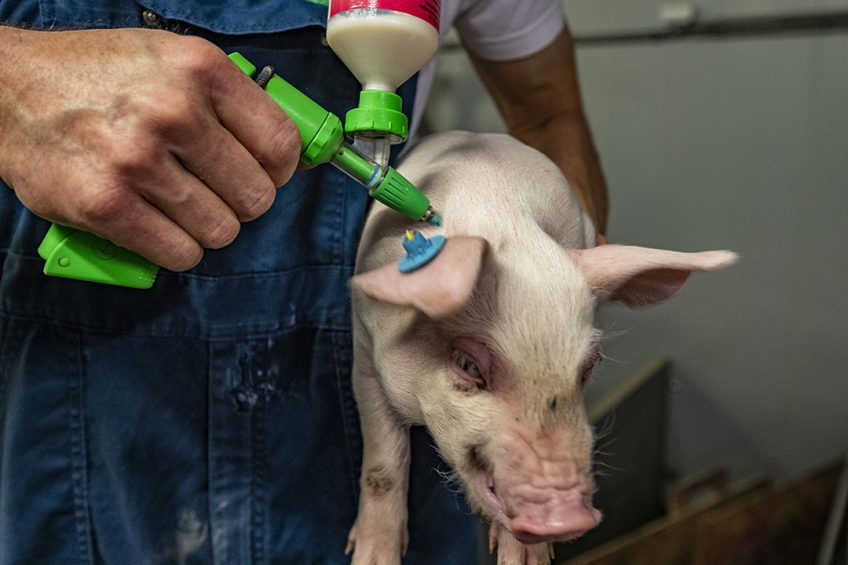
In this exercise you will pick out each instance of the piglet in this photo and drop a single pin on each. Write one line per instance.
(490, 345)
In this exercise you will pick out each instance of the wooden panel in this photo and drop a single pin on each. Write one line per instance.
(834, 546)
(667, 541)
(785, 527)
(756, 525)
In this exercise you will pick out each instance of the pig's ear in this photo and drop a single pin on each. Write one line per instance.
(438, 289)
(639, 276)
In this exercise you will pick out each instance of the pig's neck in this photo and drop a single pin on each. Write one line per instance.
(489, 185)
(512, 216)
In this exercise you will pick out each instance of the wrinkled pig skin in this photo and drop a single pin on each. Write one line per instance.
(490, 345)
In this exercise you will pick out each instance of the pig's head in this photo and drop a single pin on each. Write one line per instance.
(497, 358)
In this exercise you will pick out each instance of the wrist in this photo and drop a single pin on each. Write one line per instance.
(15, 43)
(18, 48)
(567, 140)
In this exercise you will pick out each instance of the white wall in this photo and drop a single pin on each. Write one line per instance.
(603, 16)
(723, 144)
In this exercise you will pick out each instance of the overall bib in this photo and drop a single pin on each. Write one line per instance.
(211, 418)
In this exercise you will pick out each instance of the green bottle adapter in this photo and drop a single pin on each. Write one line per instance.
(377, 124)
(379, 113)
(75, 254)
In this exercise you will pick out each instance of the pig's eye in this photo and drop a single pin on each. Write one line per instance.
(469, 373)
(469, 367)
(590, 363)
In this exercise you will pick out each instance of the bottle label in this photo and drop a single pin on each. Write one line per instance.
(427, 10)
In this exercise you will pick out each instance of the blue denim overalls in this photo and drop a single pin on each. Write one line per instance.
(210, 419)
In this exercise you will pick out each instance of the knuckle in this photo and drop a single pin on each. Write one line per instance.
(170, 113)
(106, 206)
(132, 155)
(198, 58)
(131, 163)
(223, 233)
(179, 195)
(283, 151)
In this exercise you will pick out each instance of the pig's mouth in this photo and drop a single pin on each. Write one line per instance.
(484, 484)
(533, 516)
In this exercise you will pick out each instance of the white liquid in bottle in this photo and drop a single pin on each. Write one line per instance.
(385, 43)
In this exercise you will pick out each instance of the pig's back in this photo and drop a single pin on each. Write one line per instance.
(489, 185)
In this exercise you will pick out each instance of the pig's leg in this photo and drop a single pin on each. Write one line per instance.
(379, 535)
(513, 552)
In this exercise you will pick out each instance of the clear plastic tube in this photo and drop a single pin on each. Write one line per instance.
(375, 147)
(359, 166)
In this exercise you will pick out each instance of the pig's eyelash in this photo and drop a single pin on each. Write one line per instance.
(595, 358)
(471, 371)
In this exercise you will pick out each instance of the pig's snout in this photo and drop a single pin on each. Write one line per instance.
(553, 515)
(537, 498)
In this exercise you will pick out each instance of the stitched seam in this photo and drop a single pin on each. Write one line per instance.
(79, 456)
(216, 511)
(239, 28)
(347, 404)
(4, 373)
(341, 205)
(252, 333)
(220, 278)
(258, 484)
(42, 9)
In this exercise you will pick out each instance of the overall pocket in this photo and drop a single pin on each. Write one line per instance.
(44, 512)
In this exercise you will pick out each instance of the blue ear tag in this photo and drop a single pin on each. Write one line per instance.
(419, 250)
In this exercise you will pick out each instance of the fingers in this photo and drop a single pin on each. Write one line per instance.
(128, 220)
(163, 213)
(190, 204)
(215, 157)
(255, 120)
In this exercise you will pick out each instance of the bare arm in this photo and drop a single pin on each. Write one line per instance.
(539, 99)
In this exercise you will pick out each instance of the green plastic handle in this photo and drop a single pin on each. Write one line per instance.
(75, 254)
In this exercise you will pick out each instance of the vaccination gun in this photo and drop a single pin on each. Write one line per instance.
(75, 254)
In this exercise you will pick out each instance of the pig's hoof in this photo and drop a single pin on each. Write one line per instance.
(513, 552)
(376, 548)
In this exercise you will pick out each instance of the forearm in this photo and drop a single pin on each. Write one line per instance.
(11, 62)
(566, 139)
(13, 50)
(539, 99)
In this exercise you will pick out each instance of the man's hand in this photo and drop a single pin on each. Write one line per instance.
(154, 141)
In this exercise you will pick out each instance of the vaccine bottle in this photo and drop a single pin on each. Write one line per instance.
(383, 43)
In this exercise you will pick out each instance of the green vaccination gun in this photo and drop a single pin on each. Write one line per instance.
(76, 254)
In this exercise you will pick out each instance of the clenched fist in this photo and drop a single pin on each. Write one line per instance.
(154, 141)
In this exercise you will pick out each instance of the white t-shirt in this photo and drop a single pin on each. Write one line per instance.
(495, 30)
